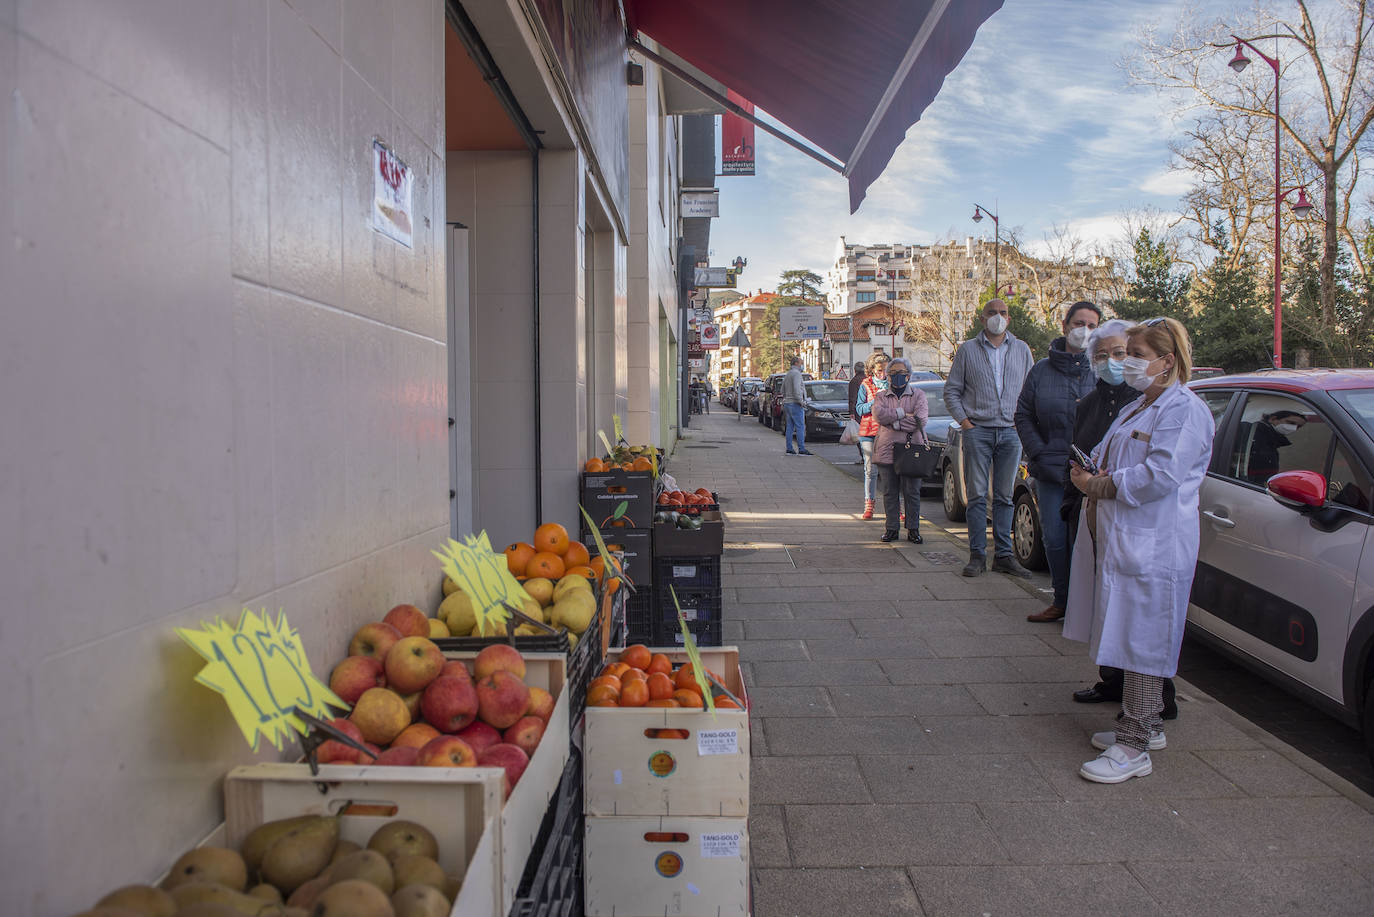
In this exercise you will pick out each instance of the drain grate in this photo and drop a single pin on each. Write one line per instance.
(940, 557)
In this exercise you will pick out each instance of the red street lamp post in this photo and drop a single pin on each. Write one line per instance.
(1302, 206)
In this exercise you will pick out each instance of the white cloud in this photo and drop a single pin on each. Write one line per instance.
(1170, 183)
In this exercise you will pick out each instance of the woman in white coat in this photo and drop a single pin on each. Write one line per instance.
(1130, 600)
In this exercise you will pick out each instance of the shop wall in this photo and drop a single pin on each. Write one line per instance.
(220, 387)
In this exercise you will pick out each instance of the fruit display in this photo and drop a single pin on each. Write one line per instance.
(643, 678)
(626, 458)
(692, 503)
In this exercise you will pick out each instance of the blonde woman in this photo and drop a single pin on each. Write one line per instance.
(1134, 558)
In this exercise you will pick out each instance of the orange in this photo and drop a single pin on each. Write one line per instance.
(634, 675)
(662, 702)
(688, 698)
(615, 668)
(598, 565)
(576, 555)
(594, 465)
(551, 537)
(518, 557)
(603, 692)
(613, 585)
(660, 663)
(634, 694)
(547, 565)
(637, 656)
(603, 702)
(726, 704)
(686, 679)
(610, 680)
(642, 464)
(581, 570)
(661, 687)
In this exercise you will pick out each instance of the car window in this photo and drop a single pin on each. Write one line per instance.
(1278, 433)
(935, 398)
(1217, 402)
(1360, 403)
(1347, 483)
(827, 391)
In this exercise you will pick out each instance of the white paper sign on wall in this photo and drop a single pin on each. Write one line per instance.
(392, 182)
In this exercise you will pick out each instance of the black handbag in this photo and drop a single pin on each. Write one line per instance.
(913, 460)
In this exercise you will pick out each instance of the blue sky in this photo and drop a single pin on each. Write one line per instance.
(1037, 122)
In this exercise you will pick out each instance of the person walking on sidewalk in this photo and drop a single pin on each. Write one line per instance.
(984, 381)
(855, 382)
(1137, 549)
(1044, 421)
(875, 382)
(793, 400)
(901, 412)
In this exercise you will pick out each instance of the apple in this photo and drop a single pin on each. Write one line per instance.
(333, 751)
(502, 698)
(415, 735)
(449, 704)
(354, 675)
(380, 715)
(497, 658)
(511, 757)
(412, 704)
(398, 756)
(525, 734)
(409, 620)
(541, 704)
(456, 669)
(447, 751)
(375, 640)
(413, 663)
(480, 736)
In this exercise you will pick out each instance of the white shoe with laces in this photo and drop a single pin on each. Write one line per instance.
(1115, 765)
(1105, 740)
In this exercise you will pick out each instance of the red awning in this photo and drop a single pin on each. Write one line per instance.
(850, 77)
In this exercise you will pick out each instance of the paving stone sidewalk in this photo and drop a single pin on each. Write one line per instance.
(917, 750)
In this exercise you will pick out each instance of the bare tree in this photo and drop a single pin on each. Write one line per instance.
(1067, 271)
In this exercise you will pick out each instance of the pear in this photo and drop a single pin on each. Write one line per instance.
(419, 901)
(575, 611)
(266, 892)
(450, 587)
(413, 869)
(209, 864)
(570, 583)
(254, 846)
(143, 899)
(196, 894)
(301, 853)
(304, 896)
(367, 865)
(457, 612)
(452, 888)
(112, 911)
(211, 909)
(352, 898)
(399, 837)
(343, 849)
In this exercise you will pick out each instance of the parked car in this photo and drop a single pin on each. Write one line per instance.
(749, 395)
(739, 391)
(770, 401)
(1285, 574)
(1207, 372)
(1026, 541)
(826, 409)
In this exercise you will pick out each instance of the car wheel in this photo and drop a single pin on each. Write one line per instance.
(1026, 540)
(955, 511)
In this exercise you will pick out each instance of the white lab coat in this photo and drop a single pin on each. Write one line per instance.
(1130, 601)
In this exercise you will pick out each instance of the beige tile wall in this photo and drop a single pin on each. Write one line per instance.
(219, 386)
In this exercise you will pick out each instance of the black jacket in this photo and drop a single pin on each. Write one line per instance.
(1045, 411)
(1096, 412)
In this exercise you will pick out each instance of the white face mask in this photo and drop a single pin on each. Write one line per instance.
(995, 324)
(1078, 337)
(1134, 369)
(1287, 429)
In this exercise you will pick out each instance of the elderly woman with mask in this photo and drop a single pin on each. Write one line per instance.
(901, 412)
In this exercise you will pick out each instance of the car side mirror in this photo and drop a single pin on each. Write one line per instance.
(1303, 491)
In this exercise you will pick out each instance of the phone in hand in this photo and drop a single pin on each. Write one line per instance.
(1083, 460)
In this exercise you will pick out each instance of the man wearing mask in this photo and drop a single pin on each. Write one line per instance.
(985, 379)
(793, 412)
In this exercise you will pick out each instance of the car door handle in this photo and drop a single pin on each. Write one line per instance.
(1219, 520)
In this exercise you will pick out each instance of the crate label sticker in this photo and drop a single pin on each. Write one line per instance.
(687, 572)
(718, 742)
(662, 763)
(690, 614)
(668, 864)
(719, 846)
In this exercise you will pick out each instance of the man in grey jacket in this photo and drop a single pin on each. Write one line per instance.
(984, 382)
(794, 415)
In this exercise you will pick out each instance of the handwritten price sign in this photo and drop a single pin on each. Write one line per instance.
(485, 576)
(260, 668)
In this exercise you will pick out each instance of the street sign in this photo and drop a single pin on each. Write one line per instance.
(695, 363)
(710, 337)
(801, 323)
(704, 202)
(713, 277)
(738, 339)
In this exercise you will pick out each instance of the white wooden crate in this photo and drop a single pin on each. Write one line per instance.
(649, 867)
(704, 772)
(461, 806)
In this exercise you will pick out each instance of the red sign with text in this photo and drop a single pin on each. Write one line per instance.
(737, 139)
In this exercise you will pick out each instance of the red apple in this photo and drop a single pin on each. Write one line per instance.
(502, 698)
(409, 620)
(499, 657)
(413, 663)
(416, 735)
(541, 704)
(511, 757)
(449, 704)
(525, 734)
(354, 675)
(480, 736)
(455, 668)
(447, 751)
(398, 756)
(335, 752)
(375, 640)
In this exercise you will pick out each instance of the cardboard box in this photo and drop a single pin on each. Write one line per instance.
(637, 546)
(603, 492)
(671, 541)
(685, 866)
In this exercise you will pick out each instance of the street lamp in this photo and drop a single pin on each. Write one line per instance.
(978, 211)
(1302, 206)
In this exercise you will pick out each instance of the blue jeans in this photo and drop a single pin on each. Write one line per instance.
(796, 424)
(1054, 532)
(870, 470)
(990, 453)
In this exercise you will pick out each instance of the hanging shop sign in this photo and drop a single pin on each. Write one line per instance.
(700, 202)
(710, 336)
(696, 364)
(713, 277)
(737, 139)
(391, 193)
(801, 323)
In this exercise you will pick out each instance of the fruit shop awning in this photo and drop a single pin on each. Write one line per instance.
(849, 77)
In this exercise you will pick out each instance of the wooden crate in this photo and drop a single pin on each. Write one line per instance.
(702, 773)
(687, 867)
(461, 806)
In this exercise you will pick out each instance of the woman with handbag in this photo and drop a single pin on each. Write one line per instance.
(900, 451)
(874, 382)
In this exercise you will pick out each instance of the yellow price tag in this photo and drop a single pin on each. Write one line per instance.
(689, 643)
(484, 575)
(261, 669)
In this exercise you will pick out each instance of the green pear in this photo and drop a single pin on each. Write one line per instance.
(413, 869)
(304, 896)
(255, 845)
(457, 612)
(112, 911)
(398, 837)
(352, 898)
(190, 894)
(419, 901)
(266, 892)
(301, 853)
(343, 849)
(367, 865)
(146, 900)
(209, 864)
(211, 909)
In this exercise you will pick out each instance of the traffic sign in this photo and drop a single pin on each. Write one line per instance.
(738, 339)
(801, 323)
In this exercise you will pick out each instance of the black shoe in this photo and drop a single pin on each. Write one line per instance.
(1170, 712)
(914, 537)
(804, 452)
(1010, 567)
(789, 452)
(889, 535)
(1094, 695)
(977, 565)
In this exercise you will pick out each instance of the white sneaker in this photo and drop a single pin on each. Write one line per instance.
(1115, 765)
(1105, 740)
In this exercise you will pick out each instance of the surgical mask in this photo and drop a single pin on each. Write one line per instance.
(898, 380)
(1109, 371)
(1287, 429)
(995, 324)
(1078, 337)
(1134, 371)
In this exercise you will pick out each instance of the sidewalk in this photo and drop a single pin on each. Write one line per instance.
(917, 749)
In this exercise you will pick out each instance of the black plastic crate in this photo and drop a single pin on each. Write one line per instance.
(552, 881)
(706, 632)
(702, 608)
(639, 618)
(701, 572)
